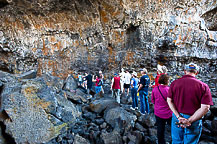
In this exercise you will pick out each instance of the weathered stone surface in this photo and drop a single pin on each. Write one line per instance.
(99, 121)
(99, 106)
(206, 131)
(62, 37)
(6, 77)
(1, 84)
(76, 98)
(140, 127)
(80, 140)
(54, 82)
(26, 120)
(148, 120)
(214, 126)
(206, 142)
(135, 137)
(120, 119)
(2, 139)
(70, 84)
(214, 106)
(111, 138)
(28, 75)
(36, 113)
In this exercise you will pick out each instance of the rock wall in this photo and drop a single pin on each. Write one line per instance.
(60, 37)
(35, 110)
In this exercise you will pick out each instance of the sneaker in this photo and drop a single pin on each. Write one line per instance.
(136, 108)
(132, 108)
(143, 113)
(89, 97)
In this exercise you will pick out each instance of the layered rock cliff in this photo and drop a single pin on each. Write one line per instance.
(60, 37)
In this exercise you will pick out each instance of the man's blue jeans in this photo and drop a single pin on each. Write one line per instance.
(134, 97)
(189, 135)
(144, 105)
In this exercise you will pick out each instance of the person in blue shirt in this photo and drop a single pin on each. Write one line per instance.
(134, 88)
(80, 79)
(143, 92)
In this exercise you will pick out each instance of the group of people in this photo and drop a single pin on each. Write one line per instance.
(182, 105)
(87, 82)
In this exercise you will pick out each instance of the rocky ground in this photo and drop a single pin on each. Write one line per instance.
(50, 110)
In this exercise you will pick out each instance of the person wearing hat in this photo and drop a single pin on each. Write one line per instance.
(115, 87)
(122, 74)
(102, 78)
(134, 88)
(160, 71)
(127, 78)
(189, 99)
(143, 91)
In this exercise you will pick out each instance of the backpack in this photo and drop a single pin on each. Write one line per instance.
(100, 82)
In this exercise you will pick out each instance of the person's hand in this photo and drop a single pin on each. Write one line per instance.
(184, 122)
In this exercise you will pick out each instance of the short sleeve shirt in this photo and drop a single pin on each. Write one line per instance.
(97, 81)
(145, 81)
(135, 82)
(89, 80)
(127, 78)
(188, 93)
(80, 77)
(161, 107)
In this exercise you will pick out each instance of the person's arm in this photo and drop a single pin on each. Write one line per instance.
(199, 113)
(140, 87)
(112, 83)
(132, 83)
(182, 120)
(172, 107)
(93, 79)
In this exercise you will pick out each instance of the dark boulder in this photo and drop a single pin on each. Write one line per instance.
(147, 120)
(213, 108)
(111, 138)
(80, 140)
(70, 84)
(214, 126)
(99, 121)
(89, 116)
(135, 137)
(53, 82)
(102, 104)
(208, 124)
(120, 119)
(1, 85)
(140, 127)
(28, 75)
(35, 113)
(7, 77)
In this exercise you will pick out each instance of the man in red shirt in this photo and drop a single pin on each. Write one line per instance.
(190, 100)
(115, 87)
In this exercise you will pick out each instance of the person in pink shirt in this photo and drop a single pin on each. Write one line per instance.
(162, 111)
(98, 86)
